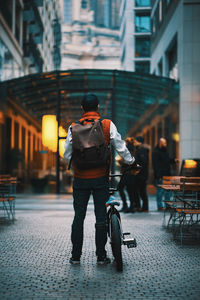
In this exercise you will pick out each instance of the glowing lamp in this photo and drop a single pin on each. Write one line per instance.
(190, 164)
(62, 133)
(176, 137)
(50, 132)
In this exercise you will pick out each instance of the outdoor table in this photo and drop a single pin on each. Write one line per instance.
(184, 207)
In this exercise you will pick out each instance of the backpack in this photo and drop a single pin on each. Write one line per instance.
(89, 148)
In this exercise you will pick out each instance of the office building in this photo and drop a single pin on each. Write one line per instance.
(30, 37)
(90, 40)
(175, 51)
(135, 33)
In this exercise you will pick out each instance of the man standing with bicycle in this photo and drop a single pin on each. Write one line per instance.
(90, 160)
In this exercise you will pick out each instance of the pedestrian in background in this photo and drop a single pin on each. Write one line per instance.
(161, 162)
(127, 181)
(141, 155)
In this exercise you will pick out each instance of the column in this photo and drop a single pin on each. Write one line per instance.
(189, 45)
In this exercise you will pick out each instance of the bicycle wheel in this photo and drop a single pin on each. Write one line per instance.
(116, 242)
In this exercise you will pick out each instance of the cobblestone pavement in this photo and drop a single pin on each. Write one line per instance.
(35, 252)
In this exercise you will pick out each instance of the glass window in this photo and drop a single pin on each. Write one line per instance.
(142, 47)
(142, 22)
(84, 4)
(143, 3)
(67, 11)
(142, 67)
(172, 61)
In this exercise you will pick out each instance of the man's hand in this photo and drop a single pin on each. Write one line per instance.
(133, 169)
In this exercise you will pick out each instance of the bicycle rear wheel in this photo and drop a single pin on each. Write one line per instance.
(116, 242)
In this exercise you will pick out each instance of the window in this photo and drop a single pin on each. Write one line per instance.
(142, 22)
(172, 61)
(84, 4)
(142, 3)
(123, 54)
(142, 67)
(67, 12)
(160, 68)
(142, 47)
(160, 11)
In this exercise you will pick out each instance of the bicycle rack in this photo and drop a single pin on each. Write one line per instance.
(129, 242)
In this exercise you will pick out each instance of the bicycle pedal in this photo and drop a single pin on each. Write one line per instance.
(126, 233)
(130, 243)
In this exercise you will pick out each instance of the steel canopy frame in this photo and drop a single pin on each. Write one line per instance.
(124, 96)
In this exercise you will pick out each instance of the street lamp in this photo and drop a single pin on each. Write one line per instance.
(50, 132)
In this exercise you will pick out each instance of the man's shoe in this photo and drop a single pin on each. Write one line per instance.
(103, 260)
(75, 260)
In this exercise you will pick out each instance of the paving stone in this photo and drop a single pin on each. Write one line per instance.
(35, 252)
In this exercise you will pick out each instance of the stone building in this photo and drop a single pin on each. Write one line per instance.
(175, 49)
(90, 35)
(30, 37)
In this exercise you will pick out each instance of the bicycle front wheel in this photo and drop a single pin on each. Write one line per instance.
(116, 241)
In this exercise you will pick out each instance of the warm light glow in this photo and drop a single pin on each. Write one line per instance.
(61, 147)
(62, 133)
(50, 132)
(189, 164)
(176, 137)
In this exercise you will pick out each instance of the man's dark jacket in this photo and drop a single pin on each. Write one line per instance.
(142, 158)
(161, 162)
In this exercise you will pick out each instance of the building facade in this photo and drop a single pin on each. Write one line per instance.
(175, 49)
(135, 33)
(30, 37)
(90, 38)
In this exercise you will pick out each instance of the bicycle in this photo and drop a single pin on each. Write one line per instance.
(115, 233)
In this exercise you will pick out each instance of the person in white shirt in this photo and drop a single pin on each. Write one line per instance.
(93, 181)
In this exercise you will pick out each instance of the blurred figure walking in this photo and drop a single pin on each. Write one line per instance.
(127, 182)
(140, 190)
(162, 167)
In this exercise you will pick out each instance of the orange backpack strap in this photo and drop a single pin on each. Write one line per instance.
(106, 127)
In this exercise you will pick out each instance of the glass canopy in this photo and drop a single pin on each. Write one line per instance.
(124, 96)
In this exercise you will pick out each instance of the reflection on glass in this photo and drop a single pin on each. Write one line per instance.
(142, 22)
(142, 47)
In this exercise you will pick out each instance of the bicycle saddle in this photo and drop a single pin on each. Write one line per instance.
(112, 202)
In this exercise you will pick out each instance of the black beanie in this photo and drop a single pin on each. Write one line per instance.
(90, 102)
